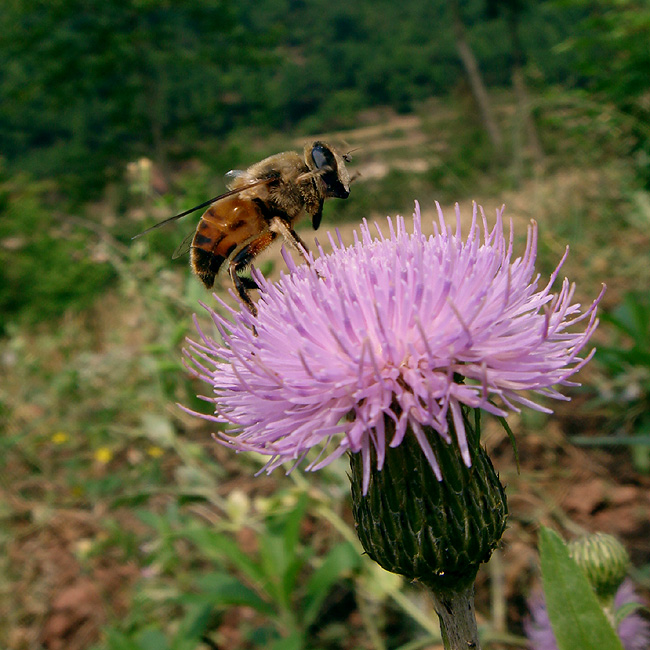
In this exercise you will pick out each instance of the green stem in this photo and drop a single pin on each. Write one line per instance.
(455, 610)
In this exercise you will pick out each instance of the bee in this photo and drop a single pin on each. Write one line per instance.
(262, 203)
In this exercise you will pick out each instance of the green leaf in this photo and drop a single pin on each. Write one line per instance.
(274, 562)
(293, 642)
(578, 621)
(292, 571)
(513, 441)
(115, 640)
(626, 610)
(215, 545)
(152, 639)
(341, 559)
(196, 621)
(223, 589)
(641, 440)
(292, 521)
(282, 554)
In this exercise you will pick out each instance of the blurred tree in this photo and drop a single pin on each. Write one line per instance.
(89, 84)
(474, 77)
(613, 45)
(513, 11)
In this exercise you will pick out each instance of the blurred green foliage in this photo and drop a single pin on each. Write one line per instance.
(277, 576)
(45, 262)
(624, 388)
(90, 85)
(613, 58)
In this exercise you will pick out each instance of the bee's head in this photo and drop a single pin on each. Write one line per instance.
(334, 174)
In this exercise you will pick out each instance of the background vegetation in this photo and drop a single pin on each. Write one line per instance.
(124, 526)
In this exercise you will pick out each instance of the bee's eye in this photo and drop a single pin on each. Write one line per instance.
(321, 160)
(326, 163)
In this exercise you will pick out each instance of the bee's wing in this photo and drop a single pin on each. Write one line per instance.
(233, 178)
(184, 246)
(205, 204)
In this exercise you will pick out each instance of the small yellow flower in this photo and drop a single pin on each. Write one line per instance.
(103, 455)
(60, 437)
(155, 452)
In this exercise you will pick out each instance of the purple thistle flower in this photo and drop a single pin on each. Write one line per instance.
(398, 325)
(633, 630)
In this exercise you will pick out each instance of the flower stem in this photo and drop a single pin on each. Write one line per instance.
(455, 610)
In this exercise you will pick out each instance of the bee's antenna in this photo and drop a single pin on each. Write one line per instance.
(347, 156)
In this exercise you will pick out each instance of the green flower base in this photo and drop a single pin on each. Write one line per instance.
(436, 532)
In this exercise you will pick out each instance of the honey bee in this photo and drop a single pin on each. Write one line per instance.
(263, 202)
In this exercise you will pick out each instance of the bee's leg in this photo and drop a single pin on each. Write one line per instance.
(242, 290)
(290, 235)
(317, 216)
(241, 260)
(279, 225)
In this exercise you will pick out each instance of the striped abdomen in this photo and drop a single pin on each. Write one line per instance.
(224, 227)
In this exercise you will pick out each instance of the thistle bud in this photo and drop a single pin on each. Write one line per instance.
(426, 529)
(603, 559)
